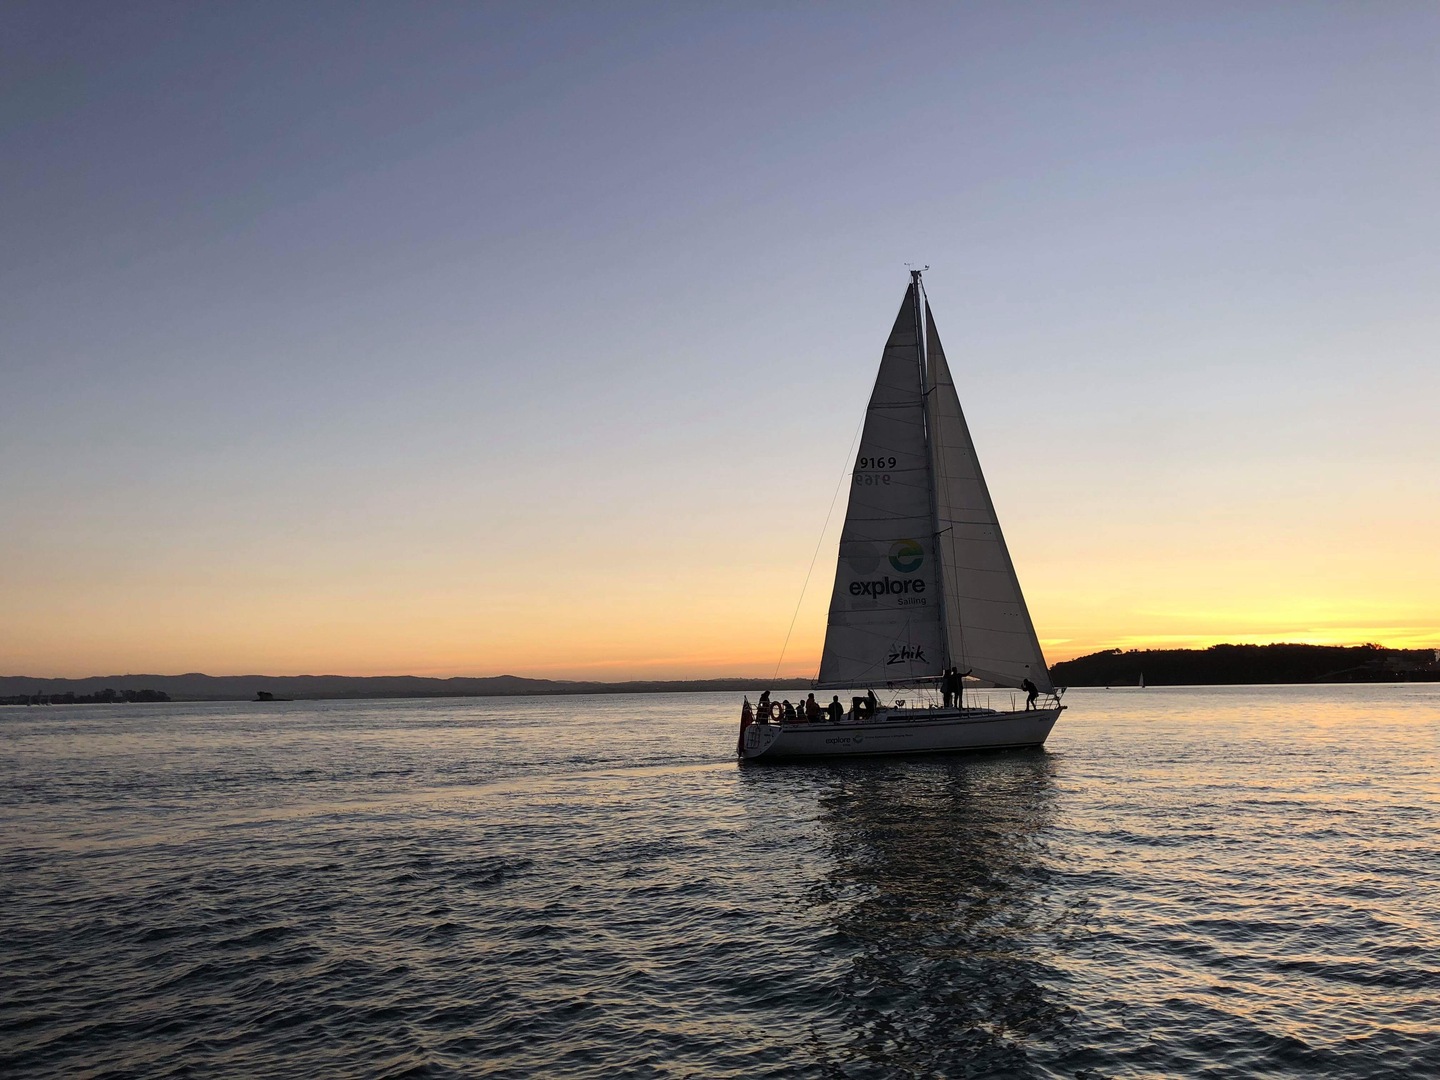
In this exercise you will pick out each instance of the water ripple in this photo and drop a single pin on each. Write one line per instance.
(1220, 883)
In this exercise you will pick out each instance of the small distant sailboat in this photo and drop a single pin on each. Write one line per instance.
(924, 582)
(1142, 680)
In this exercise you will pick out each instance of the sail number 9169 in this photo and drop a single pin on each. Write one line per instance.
(866, 467)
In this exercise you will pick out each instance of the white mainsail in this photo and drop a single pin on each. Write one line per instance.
(919, 514)
(885, 612)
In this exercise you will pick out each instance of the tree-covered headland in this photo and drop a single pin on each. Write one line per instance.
(1238, 664)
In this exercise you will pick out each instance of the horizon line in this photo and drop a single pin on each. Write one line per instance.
(774, 679)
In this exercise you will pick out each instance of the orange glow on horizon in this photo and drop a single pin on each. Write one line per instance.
(696, 598)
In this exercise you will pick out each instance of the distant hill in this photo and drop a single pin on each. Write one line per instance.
(198, 687)
(1239, 664)
(1219, 664)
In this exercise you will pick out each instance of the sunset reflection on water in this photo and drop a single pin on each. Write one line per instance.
(1230, 881)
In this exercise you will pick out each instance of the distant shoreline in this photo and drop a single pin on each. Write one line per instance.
(199, 687)
(11, 703)
(1250, 665)
(1219, 665)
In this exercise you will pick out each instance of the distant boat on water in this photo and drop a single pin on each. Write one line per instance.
(924, 584)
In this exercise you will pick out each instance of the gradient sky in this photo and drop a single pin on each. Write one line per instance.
(469, 339)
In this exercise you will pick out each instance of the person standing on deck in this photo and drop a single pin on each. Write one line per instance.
(1033, 691)
(950, 685)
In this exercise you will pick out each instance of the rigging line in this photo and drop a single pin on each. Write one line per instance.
(849, 457)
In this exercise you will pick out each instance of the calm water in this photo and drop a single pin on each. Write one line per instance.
(1225, 883)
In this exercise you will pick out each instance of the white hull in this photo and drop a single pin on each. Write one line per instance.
(901, 731)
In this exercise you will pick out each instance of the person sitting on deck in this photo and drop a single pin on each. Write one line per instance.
(788, 710)
(836, 710)
(812, 709)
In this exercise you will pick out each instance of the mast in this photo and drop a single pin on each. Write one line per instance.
(922, 354)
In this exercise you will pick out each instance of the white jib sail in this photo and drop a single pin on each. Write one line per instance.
(885, 613)
(988, 626)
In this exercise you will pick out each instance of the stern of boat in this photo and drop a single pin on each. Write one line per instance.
(756, 738)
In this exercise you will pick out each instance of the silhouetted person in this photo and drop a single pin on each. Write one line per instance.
(871, 703)
(765, 710)
(789, 710)
(950, 686)
(1032, 690)
(837, 711)
(812, 708)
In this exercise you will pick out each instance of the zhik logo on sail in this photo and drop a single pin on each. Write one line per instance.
(905, 654)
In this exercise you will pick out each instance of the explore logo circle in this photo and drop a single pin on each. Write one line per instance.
(906, 556)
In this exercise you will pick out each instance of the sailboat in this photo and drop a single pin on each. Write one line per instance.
(925, 591)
